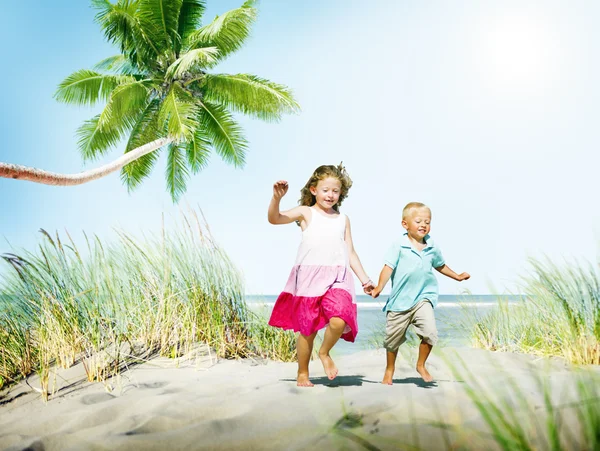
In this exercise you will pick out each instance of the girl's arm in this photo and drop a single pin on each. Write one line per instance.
(284, 217)
(384, 276)
(355, 263)
(445, 270)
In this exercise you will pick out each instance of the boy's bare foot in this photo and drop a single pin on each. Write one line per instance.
(303, 381)
(388, 377)
(424, 374)
(329, 367)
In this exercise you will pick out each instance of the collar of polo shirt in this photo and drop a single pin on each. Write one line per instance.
(406, 242)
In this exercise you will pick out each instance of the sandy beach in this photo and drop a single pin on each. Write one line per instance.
(205, 403)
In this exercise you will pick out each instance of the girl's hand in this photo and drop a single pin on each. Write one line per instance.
(368, 287)
(279, 189)
(463, 276)
(375, 292)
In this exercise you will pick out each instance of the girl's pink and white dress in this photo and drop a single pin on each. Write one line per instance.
(320, 285)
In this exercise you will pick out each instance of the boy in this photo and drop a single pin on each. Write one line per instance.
(409, 263)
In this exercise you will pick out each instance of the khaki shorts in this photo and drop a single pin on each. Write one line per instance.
(420, 316)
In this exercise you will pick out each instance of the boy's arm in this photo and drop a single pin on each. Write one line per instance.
(384, 276)
(445, 270)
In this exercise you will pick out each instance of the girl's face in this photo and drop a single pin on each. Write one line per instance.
(327, 193)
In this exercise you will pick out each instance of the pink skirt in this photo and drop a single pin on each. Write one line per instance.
(307, 315)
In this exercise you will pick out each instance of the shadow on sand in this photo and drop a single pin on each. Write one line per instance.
(340, 381)
(358, 380)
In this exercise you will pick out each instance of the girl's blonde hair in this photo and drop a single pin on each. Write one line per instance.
(321, 173)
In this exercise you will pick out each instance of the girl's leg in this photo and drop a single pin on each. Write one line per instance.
(304, 347)
(333, 332)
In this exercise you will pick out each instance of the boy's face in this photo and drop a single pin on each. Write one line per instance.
(417, 223)
(327, 192)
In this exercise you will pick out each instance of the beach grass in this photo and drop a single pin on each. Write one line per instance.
(558, 314)
(112, 302)
(531, 411)
(518, 422)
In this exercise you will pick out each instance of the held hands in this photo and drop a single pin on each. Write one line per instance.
(368, 287)
(375, 292)
(280, 188)
(463, 276)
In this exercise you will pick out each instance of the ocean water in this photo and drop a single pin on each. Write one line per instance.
(449, 313)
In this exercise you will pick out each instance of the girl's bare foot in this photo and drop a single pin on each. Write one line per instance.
(303, 381)
(424, 374)
(388, 377)
(329, 367)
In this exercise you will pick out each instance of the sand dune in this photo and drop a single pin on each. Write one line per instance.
(221, 404)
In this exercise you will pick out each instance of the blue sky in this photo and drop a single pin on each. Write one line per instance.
(486, 111)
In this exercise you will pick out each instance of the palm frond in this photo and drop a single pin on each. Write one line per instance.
(146, 130)
(148, 127)
(118, 21)
(224, 133)
(122, 25)
(180, 111)
(198, 152)
(103, 131)
(86, 87)
(159, 18)
(134, 173)
(202, 57)
(94, 142)
(250, 95)
(226, 32)
(104, 8)
(119, 64)
(177, 173)
(125, 104)
(190, 15)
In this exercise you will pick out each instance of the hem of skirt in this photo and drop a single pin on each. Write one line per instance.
(349, 337)
(287, 324)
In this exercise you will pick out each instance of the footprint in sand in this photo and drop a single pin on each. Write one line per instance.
(35, 446)
(153, 385)
(89, 400)
(171, 391)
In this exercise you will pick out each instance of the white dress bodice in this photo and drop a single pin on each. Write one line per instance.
(323, 241)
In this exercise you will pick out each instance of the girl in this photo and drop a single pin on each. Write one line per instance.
(320, 290)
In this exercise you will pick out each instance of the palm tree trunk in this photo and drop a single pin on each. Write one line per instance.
(15, 171)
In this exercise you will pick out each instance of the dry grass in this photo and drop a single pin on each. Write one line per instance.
(162, 295)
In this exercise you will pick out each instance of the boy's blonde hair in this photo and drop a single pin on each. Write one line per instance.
(321, 173)
(413, 206)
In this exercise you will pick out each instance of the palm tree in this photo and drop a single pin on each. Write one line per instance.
(159, 94)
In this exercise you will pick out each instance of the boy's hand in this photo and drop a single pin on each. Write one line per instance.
(279, 189)
(463, 276)
(368, 288)
(375, 292)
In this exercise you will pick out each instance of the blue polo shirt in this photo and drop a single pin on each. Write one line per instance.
(412, 278)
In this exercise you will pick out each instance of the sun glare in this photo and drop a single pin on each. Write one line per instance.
(517, 51)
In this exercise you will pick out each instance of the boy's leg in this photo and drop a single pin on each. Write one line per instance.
(424, 351)
(333, 332)
(395, 334)
(304, 347)
(424, 323)
(388, 376)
